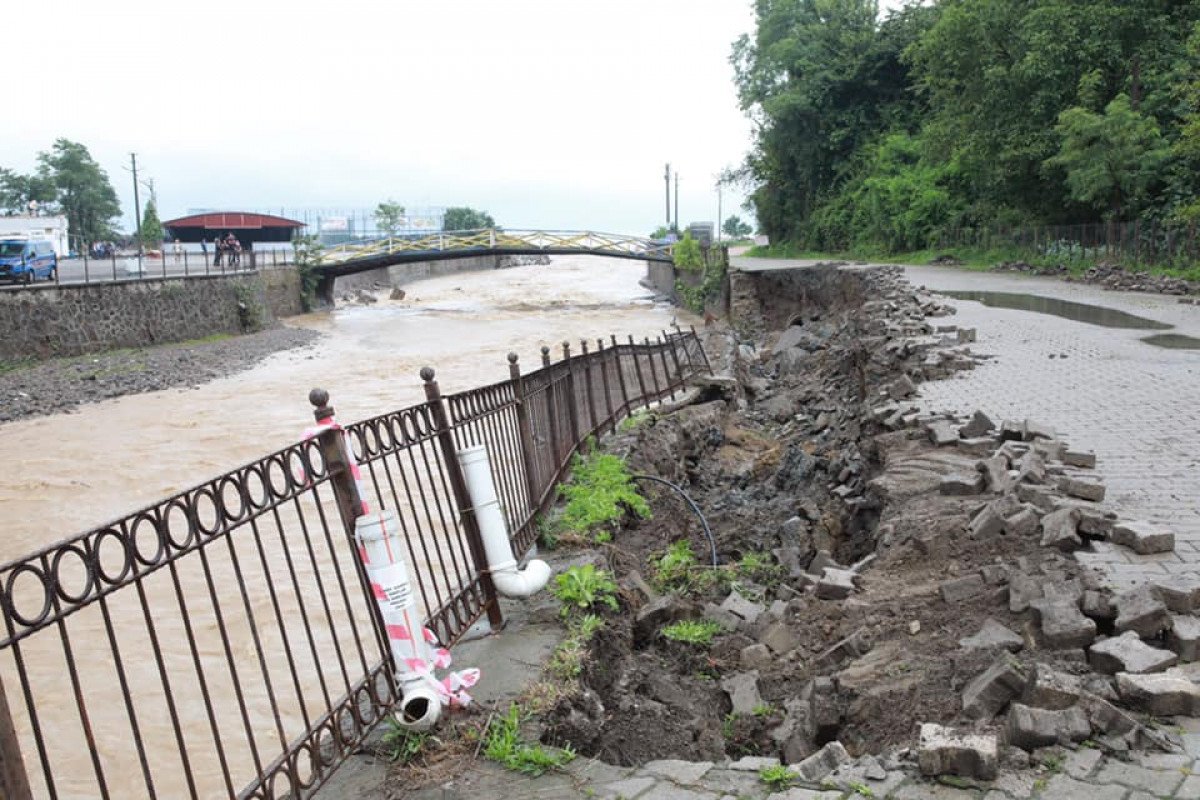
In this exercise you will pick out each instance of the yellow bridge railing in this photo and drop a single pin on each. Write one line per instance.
(501, 239)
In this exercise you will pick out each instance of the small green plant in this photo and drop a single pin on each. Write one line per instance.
(599, 495)
(759, 567)
(1052, 763)
(861, 789)
(691, 631)
(402, 744)
(250, 309)
(583, 588)
(777, 777)
(308, 254)
(763, 710)
(672, 569)
(567, 661)
(505, 746)
(634, 421)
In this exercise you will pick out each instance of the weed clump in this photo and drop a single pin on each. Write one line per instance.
(584, 588)
(505, 746)
(599, 495)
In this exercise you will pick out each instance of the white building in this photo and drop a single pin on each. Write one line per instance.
(26, 227)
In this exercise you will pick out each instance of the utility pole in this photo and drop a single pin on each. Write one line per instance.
(676, 201)
(667, 178)
(137, 209)
(718, 211)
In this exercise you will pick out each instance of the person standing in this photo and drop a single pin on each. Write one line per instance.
(204, 249)
(218, 248)
(177, 249)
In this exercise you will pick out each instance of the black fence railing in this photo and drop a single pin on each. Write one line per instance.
(224, 642)
(128, 266)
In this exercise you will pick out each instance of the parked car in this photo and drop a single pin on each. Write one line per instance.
(26, 260)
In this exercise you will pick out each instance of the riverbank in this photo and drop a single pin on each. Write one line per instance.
(61, 385)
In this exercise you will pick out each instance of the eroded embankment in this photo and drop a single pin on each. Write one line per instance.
(880, 570)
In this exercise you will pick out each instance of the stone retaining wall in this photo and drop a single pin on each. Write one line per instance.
(49, 321)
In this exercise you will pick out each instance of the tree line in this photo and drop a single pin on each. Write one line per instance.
(882, 134)
(67, 181)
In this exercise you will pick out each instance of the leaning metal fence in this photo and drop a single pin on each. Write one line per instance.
(223, 641)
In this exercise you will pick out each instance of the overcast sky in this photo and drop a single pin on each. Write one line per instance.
(547, 113)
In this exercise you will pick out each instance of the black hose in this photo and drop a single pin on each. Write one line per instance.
(707, 531)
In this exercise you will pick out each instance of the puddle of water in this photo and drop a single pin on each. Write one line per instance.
(1173, 341)
(1079, 312)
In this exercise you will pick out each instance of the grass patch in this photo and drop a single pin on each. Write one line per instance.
(566, 663)
(777, 777)
(505, 746)
(599, 496)
(403, 744)
(692, 631)
(584, 588)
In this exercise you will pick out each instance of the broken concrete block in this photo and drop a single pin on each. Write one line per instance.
(820, 561)
(1163, 694)
(901, 388)
(1049, 688)
(960, 589)
(755, 656)
(987, 523)
(823, 714)
(742, 688)
(1184, 637)
(1139, 610)
(978, 446)
(980, 425)
(991, 690)
(1063, 625)
(1032, 429)
(1128, 653)
(993, 635)
(961, 484)
(1059, 529)
(1030, 728)
(1011, 430)
(739, 606)
(822, 762)
(995, 469)
(1082, 488)
(1180, 593)
(1031, 468)
(1039, 497)
(1095, 523)
(1142, 537)
(835, 584)
(780, 638)
(1079, 458)
(659, 612)
(942, 433)
(1098, 605)
(965, 335)
(1024, 523)
(1050, 449)
(726, 619)
(944, 751)
(1023, 590)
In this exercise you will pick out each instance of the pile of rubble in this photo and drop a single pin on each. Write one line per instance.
(1113, 276)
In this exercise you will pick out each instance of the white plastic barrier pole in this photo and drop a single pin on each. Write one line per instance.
(509, 581)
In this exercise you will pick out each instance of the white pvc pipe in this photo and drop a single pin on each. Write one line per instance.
(509, 581)
(382, 551)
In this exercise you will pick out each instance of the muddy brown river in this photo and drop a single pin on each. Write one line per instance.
(79, 470)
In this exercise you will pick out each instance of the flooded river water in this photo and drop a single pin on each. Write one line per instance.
(76, 471)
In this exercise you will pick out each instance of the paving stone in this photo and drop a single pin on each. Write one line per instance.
(961, 484)
(1128, 653)
(991, 690)
(1143, 538)
(993, 635)
(1024, 523)
(1052, 689)
(901, 388)
(979, 425)
(742, 688)
(1063, 625)
(1157, 782)
(1081, 762)
(960, 589)
(1184, 637)
(805, 794)
(666, 791)
(977, 445)
(1098, 605)
(820, 561)
(931, 791)
(1032, 429)
(726, 619)
(1081, 488)
(741, 607)
(995, 470)
(1141, 611)
(1031, 468)
(987, 523)
(1164, 694)
(1030, 728)
(780, 638)
(1189, 788)
(1023, 590)
(1064, 787)
(823, 715)
(1060, 529)
(945, 751)
(756, 655)
(1079, 458)
(822, 762)
(1011, 430)
(943, 433)
(676, 770)
(629, 788)
(1040, 497)
(835, 584)
(1180, 593)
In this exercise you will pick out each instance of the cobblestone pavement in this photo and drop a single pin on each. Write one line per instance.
(1103, 389)
(1083, 774)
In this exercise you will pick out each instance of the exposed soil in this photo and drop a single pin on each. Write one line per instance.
(51, 387)
(794, 461)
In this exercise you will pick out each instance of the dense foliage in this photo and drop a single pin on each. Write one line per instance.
(464, 218)
(882, 133)
(389, 217)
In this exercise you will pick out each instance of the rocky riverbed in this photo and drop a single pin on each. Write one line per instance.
(51, 387)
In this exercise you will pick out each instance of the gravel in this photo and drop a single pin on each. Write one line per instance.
(57, 386)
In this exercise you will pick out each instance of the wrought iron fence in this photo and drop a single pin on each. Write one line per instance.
(158, 266)
(223, 642)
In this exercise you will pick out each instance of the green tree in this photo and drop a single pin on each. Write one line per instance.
(152, 229)
(82, 189)
(1110, 159)
(388, 216)
(463, 218)
(17, 191)
(734, 228)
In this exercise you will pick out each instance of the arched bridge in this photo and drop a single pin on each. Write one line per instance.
(347, 259)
